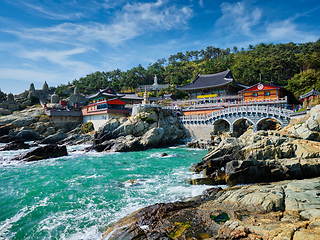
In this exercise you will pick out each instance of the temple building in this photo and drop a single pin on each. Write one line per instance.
(264, 93)
(212, 85)
(106, 104)
(310, 98)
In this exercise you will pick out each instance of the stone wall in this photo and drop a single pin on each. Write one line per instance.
(63, 120)
(198, 131)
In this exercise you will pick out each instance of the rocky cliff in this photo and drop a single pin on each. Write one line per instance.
(153, 128)
(292, 153)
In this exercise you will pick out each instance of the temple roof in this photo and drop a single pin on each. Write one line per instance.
(131, 96)
(260, 87)
(108, 92)
(313, 92)
(211, 81)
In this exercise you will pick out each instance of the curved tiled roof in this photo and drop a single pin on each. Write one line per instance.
(131, 96)
(311, 93)
(103, 92)
(209, 81)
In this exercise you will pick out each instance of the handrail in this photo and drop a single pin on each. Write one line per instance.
(223, 101)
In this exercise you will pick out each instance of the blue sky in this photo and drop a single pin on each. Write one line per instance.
(61, 40)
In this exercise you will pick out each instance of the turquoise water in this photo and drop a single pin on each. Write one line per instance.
(77, 196)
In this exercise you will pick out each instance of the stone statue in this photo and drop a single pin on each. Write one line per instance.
(10, 97)
(155, 80)
(31, 88)
(55, 98)
(45, 86)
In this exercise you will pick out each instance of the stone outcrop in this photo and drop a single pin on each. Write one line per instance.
(283, 210)
(292, 153)
(21, 116)
(44, 152)
(54, 138)
(154, 128)
(307, 127)
(8, 106)
(259, 157)
(33, 124)
(15, 145)
(75, 139)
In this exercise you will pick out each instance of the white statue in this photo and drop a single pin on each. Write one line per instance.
(155, 80)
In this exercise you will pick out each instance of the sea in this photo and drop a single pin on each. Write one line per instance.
(78, 196)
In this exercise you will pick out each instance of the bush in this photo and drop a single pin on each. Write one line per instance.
(147, 119)
(86, 128)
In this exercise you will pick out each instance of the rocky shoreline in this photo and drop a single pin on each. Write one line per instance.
(278, 210)
(152, 128)
(282, 168)
(281, 202)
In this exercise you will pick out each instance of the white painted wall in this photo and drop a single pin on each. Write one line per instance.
(100, 119)
(97, 120)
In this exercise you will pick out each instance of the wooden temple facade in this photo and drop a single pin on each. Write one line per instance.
(106, 104)
(219, 85)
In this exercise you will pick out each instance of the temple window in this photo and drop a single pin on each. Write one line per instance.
(267, 93)
(254, 94)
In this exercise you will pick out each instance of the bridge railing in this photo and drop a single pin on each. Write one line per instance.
(232, 110)
(227, 101)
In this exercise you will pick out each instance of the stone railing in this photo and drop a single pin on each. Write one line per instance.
(241, 109)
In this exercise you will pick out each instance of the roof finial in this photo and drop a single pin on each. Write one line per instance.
(260, 77)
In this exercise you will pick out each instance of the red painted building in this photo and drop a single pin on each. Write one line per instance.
(263, 92)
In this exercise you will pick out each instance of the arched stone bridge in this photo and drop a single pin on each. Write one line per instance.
(234, 115)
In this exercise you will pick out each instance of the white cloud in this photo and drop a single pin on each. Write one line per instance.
(47, 13)
(61, 58)
(287, 31)
(237, 18)
(134, 20)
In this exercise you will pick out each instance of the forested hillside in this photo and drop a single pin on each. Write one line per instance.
(296, 66)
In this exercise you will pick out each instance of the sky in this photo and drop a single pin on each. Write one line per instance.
(58, 41)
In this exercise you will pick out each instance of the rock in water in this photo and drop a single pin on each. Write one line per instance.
(47, 151)
(15, 145)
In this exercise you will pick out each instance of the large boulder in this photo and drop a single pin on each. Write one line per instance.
(47, 151)
(120, 144)
(28, 135)
(262, 157)
(152, 128)
(75, 139)
(153, 137)
(23, 122)
(55, 138)
(307, 127)
(4, 130)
